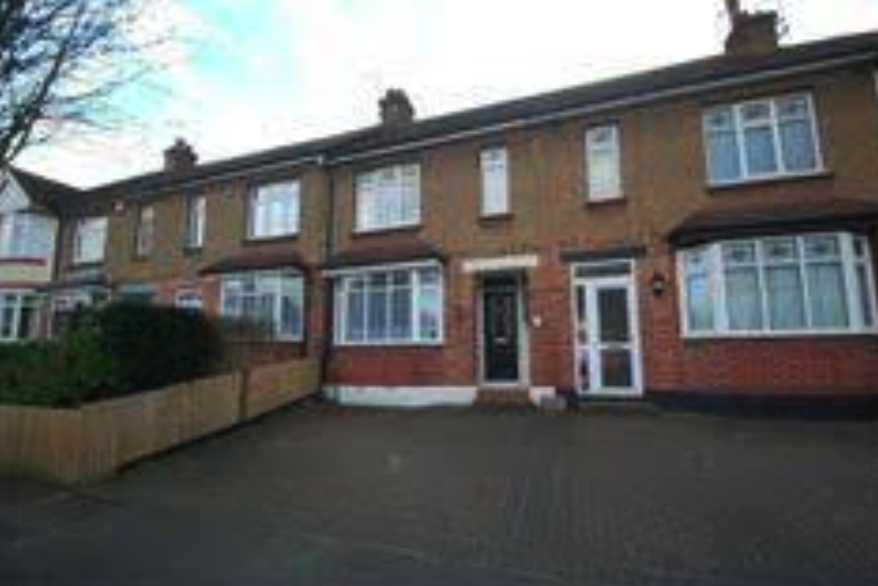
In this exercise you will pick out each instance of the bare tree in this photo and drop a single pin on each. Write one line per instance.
(59, 61)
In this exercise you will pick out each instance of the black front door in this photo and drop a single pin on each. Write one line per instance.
(500, 333)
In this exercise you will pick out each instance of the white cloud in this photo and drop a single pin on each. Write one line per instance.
(326, 63)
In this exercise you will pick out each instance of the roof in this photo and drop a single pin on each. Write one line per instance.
(627, 90)
(417, 250)
(638, 86)
(254, 260)
(763, 220)
(46, 193)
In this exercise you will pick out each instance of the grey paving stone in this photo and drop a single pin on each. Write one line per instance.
(334, 496)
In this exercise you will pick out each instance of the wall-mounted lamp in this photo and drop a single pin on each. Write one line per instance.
(658, 283)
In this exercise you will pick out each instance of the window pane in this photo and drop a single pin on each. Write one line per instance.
(428, 314)
(822, 247)
(786, 307)
(378, 308)
(698, 291)
(494, 182)
(865, 296)
(743, 300)
(827, 296)
(356, 312)
(401, 314)
(722, 157)
(604, 173)
(797, 144)
(759, 150)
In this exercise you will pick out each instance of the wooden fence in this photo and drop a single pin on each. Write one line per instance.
(95, 440)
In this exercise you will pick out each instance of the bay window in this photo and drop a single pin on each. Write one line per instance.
(273, 300)
(760, 139)
(18, 315)
(388, 198)
(814, 283)
(389, 306)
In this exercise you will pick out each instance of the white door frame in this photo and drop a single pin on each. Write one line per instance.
(591, 284)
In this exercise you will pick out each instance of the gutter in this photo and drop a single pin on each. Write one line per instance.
(600, 107)
(328, 311)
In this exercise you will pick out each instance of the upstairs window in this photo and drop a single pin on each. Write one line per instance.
(24, 235)
(495, 182)
(814, 283)
(761, 139)
(144, 238)
(389, 198)
(274, 210)
(89, 240)
(195, 222)
(603, 163)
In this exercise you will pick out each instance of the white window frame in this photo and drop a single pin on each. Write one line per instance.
(195, 222)
(85, 228)
(295, 336)
(342, 281)
(274, 210)
(494, 167)
(144, 237)
(25, 235)
(387, 189)
(22, 298)
(739, 128)
(716, 275)
(613, 150)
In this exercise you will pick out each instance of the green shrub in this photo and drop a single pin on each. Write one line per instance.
(64, 373)
(118, 350)
(153, 346)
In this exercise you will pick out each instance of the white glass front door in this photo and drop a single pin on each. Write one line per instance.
(607, 336)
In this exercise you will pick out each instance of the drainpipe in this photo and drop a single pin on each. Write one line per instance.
(328, 298)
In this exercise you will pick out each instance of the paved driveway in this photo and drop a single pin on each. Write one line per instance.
(330, 496)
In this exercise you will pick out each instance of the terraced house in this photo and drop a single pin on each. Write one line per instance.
(705, 230)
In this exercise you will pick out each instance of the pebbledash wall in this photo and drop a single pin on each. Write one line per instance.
(551, 223)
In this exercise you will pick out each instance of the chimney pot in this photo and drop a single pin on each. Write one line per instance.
(180, 156)
(752, 33)
(396, 109)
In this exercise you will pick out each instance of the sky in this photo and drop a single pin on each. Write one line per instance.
(234, 79)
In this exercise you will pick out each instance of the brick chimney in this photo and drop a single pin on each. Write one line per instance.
(396, 109)
(180, 157)
(752, 33)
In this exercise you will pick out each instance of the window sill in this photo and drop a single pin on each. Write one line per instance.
(409, 228)
(385, 345)
(85, 265)
(192, 251)
(778, 336)
(607, 202)
(23, 260)
(495, 219)
(769, 180)
(259, 240)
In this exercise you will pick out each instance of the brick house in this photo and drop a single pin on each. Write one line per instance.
(705, 230)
